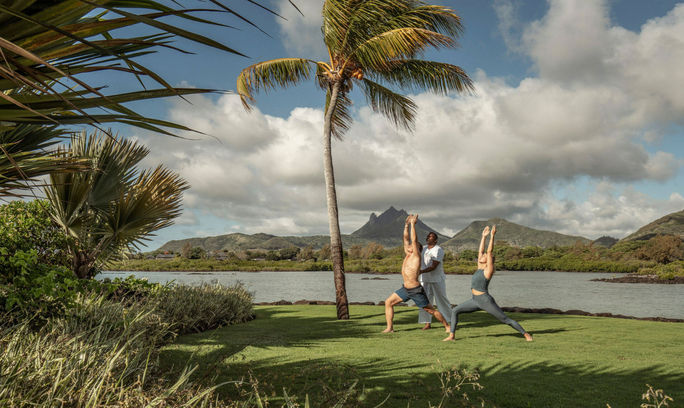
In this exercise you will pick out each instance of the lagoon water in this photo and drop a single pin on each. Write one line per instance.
(558, 290)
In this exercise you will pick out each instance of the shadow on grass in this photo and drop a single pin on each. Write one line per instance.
(515, 383)
(512, 385)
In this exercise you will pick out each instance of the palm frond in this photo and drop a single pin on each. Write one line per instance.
(25, 156)
(341, 117)
(151, 203)
(113, 206)
(373, 18)
(271, 74)
(398, 108)
(418, 74)
(47, 45)
(399, 43)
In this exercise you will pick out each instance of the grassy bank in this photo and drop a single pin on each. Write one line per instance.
(573, 362)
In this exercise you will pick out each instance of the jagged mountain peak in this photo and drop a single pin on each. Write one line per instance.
(388, 227)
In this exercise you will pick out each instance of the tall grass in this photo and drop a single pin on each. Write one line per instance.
(105, 353)
(200, 308)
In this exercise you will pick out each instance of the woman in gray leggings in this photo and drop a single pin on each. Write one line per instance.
(479, 287)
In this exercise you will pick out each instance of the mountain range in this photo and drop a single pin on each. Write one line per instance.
(387, 229)
(670, 224)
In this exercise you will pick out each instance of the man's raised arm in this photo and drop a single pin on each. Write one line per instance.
(414, 235)
(407, 244)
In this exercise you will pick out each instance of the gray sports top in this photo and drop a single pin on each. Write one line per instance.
(479, 281)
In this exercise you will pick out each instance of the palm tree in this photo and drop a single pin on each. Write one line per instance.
(368, 42)
(110, 209)
(46, 48)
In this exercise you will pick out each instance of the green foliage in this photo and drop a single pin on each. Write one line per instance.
(30, 289)
(579, 257)
(26, 225)
(662, 249)
(199, 308)
(197, 253)
(668, 271)
(627, 246)
(67, 40)
(306, 254)
(531, 252)
(324, 252)
(24, 155)
(112, 208)
(468, 255)
(104, 351)
(284, 254)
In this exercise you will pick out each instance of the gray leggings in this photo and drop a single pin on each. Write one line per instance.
(488, 304)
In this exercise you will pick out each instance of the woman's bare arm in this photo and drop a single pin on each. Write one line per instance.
(485, 232)
(489, 270)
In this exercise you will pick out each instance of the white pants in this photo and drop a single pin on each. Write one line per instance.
(436, 294)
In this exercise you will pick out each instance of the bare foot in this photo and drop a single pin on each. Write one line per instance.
(528, 336)
(426, 327)
(450, 338)
(388, 330)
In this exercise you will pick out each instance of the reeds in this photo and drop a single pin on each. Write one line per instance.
(104, 354)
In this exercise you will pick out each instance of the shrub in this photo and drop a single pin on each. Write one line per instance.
(30, 289)
(662, 249)
(669, 271)
(101, 355)
(193, 309)
(26, 226)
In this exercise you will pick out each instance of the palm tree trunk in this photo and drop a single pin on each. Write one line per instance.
(333, 219)
(81, 264)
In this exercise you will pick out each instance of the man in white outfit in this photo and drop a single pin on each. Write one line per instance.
(433, 280)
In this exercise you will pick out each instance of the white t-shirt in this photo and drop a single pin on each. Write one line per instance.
(435, 253)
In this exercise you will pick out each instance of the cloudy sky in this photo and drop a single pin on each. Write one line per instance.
(576, 126)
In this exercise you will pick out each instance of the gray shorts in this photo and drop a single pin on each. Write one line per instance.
(416, 294)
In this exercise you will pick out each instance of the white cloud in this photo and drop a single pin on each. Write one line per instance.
(606, 212)
(509, 24)
(302, 32)
(602, 92)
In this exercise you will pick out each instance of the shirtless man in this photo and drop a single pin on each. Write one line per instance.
(411, 289)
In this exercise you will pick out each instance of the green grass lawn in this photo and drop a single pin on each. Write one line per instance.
(574, 361)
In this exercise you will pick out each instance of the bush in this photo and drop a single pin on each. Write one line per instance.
(103, 352)
(26, 226)
(102, 355)
(662, 249)
(194, 309)
(669, 271)
(29, 289)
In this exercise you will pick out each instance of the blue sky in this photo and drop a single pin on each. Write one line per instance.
(576, 126)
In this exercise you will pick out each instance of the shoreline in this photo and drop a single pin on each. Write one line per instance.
(513, 309)
(631, 278)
